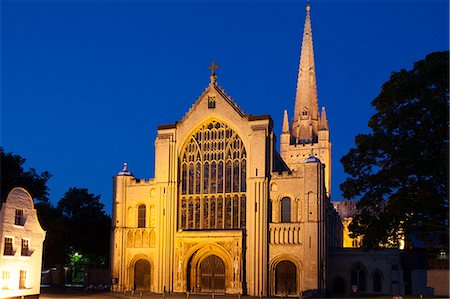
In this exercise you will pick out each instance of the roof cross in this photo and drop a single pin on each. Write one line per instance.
(213, 67)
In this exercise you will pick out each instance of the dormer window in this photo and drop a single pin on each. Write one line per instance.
(19, 220)
(211, 102)
(305, 112)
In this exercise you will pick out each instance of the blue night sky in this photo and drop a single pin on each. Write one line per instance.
(84, 84)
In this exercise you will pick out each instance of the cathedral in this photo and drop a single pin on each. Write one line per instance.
(226, 212)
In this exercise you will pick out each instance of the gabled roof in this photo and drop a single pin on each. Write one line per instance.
(216, 87)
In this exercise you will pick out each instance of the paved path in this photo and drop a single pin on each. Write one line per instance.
(70, 294)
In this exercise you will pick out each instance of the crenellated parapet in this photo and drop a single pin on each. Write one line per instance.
(287, 175)
(143, 182)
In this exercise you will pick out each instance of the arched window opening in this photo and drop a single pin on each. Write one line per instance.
(142, 216)
(213, 171)
(377, 282)
(358, 278)
(285, 209)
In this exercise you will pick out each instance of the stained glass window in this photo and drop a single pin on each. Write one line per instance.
(213, 171)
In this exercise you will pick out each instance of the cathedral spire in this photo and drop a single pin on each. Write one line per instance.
(285, 128)
(306, 106)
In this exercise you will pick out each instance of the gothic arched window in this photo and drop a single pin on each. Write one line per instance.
(358, 278)
(213, 171)
(285, 209)
(141, 216)
(377, 281)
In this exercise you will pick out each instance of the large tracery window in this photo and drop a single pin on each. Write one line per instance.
(213, 179)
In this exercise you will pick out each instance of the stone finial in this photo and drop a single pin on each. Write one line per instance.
(125, 171)
(285, 128)
(323, 122)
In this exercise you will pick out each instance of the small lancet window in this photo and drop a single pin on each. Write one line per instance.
(141, 216)
(211, 102)
(285, 209)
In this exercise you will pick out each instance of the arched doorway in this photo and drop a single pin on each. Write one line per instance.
(377, 281)
(339, 286)
(212, 274)
(142, 275)
(285, 278)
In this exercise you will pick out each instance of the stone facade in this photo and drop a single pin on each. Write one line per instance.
(225, 211)
(22, 240)
(354, 271)
(347, 210)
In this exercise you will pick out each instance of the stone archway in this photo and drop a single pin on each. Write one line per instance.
(339, 286)
(142, 275)
(285, 278)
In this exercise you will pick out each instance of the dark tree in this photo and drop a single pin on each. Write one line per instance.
(400, 170)
(54, 244)
(87, 225)
(13, 174)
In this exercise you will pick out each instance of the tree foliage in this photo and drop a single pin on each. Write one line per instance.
(87, 225)
(400, 170)
(13, 174)
(78, 223)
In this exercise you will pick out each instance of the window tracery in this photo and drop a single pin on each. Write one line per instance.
(213, 179)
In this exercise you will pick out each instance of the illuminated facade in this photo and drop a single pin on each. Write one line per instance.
(21, 249)
(225, 211)
(347, 210)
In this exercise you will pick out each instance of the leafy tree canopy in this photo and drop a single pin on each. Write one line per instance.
(400, 170)
(13, 174)
(87, 225)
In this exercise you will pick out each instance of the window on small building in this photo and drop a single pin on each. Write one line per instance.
(141, 216)
(285, 209)
(358, 278)
(22, 279)
(24, 251)
(377, 279)
(6, 275)
(19, 218)
(8, 250)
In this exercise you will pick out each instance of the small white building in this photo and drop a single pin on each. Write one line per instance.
(21, 246)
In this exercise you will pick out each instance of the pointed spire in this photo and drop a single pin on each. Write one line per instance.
(306, 105)
(285, 128)
(323, 123)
